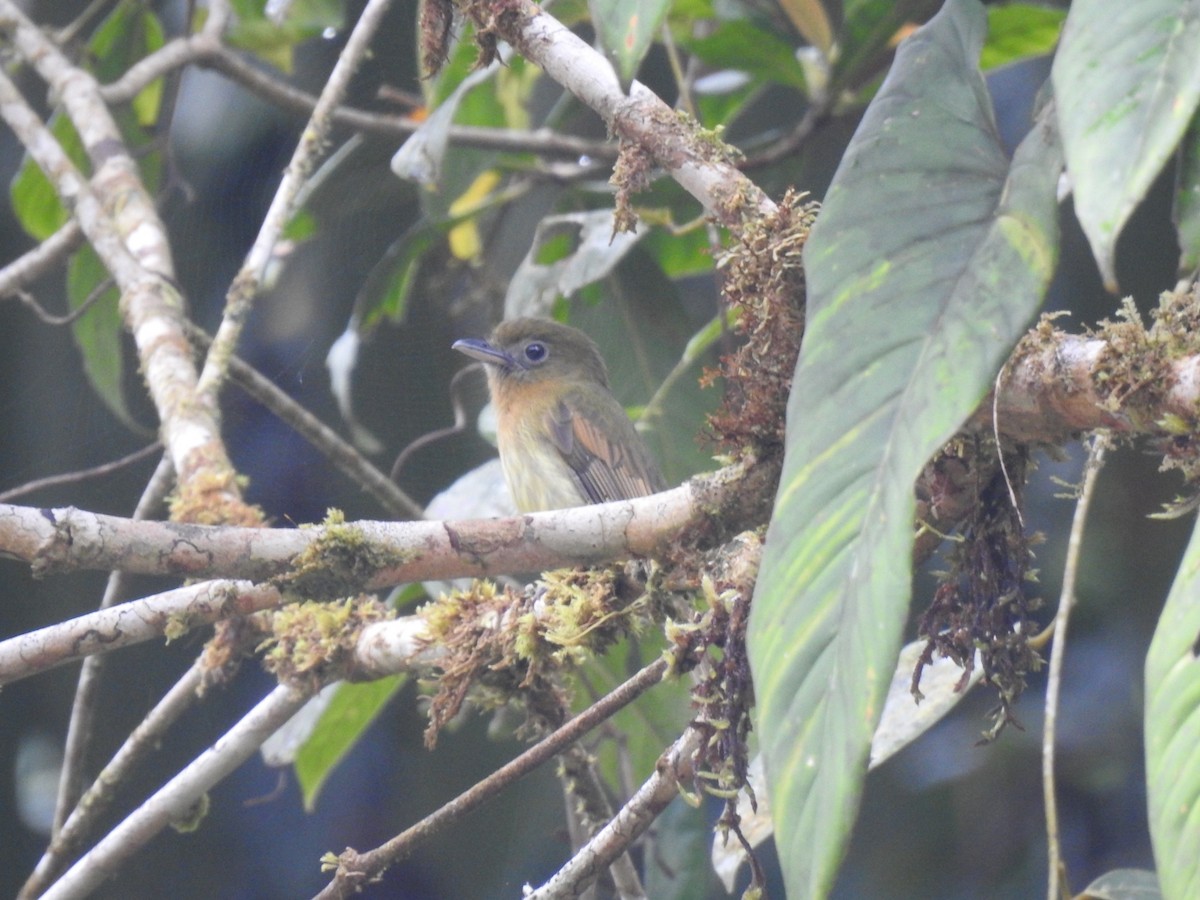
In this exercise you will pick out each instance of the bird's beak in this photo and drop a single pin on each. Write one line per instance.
(485, 352)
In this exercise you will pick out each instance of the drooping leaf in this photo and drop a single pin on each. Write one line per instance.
(34, 199)
(98, 332)
(352, 709)
(1173, 732)
(626, 28)
(923, 268)
(1127, 85)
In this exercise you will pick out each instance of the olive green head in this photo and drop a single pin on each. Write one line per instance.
(536, 350)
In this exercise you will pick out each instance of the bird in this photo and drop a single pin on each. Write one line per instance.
(564, 439)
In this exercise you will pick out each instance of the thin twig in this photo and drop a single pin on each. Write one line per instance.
(99, 471)
(1055, 889)
(355, 869)
(337, 450)
(34, 263)
(247, 282)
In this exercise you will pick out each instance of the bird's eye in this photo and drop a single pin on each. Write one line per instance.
(536, 351)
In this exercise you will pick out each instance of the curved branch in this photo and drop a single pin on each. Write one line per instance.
(701, 164)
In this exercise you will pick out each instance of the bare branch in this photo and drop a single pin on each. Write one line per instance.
(176, 800)
(99, 471)
(355, 869)
(169, 613)
(96, 801)
(32, 264)
(627, 825)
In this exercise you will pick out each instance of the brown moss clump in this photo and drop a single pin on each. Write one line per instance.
(214, 498)
(764, 283)
(982, 602)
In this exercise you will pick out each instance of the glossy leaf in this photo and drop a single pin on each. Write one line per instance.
(924, 267)
(1127, 85)
(1173, 732)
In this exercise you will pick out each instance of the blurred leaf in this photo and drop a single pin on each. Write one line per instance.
(681, 253)
(1173, 732)
(128, 34)
(34, 199)
(1127, 85)
(626, 28)
(420, 157)
(746, 47)
(1123, 884)
(596, 252)
(352, 709)
(677, 864)
(98, 332)
(1018, 31)
(1186, 213)
(275, 42)
(910, 315)
(811, 21)
(869, 30)
(465, 242)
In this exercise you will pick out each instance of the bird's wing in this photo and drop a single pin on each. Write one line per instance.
(604, 451)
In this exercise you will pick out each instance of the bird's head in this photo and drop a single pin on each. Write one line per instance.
(529, 351)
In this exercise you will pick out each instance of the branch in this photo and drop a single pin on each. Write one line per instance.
(171, 613)
(98, 798)
(626, 826)
(249, 278)
(338, 559)
(701, 165)
(177, 799)
(130, 239)
(355, 869)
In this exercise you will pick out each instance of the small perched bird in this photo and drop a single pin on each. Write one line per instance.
(564, 439)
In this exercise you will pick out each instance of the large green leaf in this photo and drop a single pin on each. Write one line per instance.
(1173, 733)
(1127, 85)
(923, 268)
